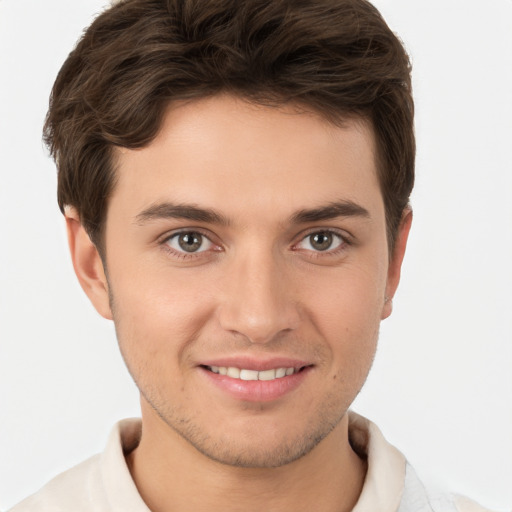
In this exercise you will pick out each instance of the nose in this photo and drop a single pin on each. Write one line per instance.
(258, 299)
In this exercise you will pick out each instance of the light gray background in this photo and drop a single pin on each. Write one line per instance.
(441, 386)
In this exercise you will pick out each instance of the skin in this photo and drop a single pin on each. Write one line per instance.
(258, 288)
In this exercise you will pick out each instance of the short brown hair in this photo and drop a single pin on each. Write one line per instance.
(336, 57)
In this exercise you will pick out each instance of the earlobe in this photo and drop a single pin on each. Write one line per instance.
(395, 263)
(87, 264)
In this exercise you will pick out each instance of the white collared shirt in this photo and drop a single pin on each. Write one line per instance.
(103, 483)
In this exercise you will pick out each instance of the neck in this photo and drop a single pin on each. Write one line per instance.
(170, 474)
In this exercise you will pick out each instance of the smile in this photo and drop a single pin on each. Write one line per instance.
(244, 374)
(256, 381)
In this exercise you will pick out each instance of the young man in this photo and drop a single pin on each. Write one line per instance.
(235, 178)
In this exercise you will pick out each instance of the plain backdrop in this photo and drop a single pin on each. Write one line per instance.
(441, 385)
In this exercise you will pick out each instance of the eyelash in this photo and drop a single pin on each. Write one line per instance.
(345, 243)
(183, 255)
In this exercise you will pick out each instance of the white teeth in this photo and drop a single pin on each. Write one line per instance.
(233, 372)
(243, 374)
(249, 374)
(267, 375)
(281, 372)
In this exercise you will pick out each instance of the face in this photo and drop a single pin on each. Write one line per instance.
(247, 271)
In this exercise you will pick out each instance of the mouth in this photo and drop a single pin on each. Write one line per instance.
(252, 375)
(251, 380)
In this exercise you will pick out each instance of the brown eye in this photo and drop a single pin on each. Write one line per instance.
(189, 241)
(321, 241)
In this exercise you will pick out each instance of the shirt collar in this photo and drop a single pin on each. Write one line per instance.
(382, 490)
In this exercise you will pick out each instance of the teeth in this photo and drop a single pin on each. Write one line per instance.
(267, 375)
(281, 372)
(233, 372)
(249, 375)
(243, 374)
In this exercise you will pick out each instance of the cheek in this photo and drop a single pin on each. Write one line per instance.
(350, 299)
(346, 310)
(156, 313)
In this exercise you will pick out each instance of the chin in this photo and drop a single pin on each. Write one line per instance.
(257, 444)
(254, 455)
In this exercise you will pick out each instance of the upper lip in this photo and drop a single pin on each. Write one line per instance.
(252, 363)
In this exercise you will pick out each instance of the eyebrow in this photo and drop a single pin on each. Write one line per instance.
(181, 211)
(192, 212)
(331, 211)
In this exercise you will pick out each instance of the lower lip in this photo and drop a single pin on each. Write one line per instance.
(257, 390)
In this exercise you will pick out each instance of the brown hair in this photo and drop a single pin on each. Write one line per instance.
(336, 57)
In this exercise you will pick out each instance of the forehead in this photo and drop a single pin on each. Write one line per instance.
(226, 153)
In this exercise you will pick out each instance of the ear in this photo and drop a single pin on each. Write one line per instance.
(87, 264)
(395, 263)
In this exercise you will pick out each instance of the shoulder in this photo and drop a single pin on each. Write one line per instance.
(454, 503)
(391, 482)
(417, 498)
(102, 483)
(464, 504)
(71, 490)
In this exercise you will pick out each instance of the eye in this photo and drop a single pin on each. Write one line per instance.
(189, 241)
(321, 241)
